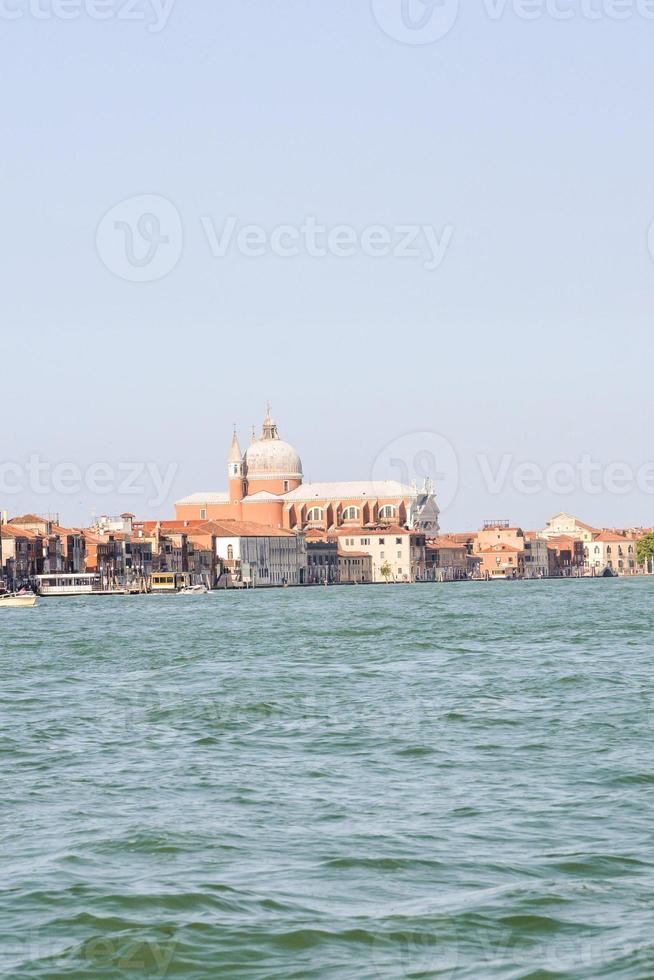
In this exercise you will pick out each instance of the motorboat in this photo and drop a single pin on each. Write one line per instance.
(17, 600)
(194, 590)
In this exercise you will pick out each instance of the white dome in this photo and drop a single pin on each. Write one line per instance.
(271, 459)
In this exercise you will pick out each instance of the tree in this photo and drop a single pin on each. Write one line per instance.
(386, 571)
(645, 548)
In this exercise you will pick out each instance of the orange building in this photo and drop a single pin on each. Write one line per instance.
(266, 486)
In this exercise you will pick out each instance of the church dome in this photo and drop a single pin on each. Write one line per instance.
(271, 458)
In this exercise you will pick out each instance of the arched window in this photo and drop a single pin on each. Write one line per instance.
(608, 549)
(597, 549)
(387, 512)
(230, 552)
(351, 514)
(316, 514)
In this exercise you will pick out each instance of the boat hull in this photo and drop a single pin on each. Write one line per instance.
(18, 601)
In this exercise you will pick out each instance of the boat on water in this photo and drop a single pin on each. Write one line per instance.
(17, 600)
(194, 590)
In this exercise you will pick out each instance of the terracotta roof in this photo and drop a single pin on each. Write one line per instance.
(439, 544)
(242, 529)
(28, 519)
(65, 531)
(353, 554)
(610, 536)
(150, 526)
(9, 531)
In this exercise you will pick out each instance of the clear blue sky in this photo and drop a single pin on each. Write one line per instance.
(532, 139)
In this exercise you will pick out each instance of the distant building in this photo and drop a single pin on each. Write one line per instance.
(501, 561)
(398, 555)
(566, 524)
(446, 560)
(266, 486)
(354, 568)
(322, 562)
(611, 552)
(537, 556)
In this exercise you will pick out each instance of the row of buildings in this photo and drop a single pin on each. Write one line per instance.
(270, 528)
(125, 553)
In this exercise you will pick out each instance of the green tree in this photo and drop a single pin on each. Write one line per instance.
(386, 571)
(645, 548)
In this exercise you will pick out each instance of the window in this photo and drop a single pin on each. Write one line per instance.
(230, 552)
(365, 540)
(382, 541)
(316, 514)
(351, 514)
(286, 486)
(398, 540)
(203, 514)
(387, 512)
(382, 554)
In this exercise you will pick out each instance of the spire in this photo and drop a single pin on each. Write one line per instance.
(235, 454)
(269, 426)
(253, 437)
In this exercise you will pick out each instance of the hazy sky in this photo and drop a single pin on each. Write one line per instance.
(520, 332)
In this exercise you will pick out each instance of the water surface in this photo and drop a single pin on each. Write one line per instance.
(410, 781)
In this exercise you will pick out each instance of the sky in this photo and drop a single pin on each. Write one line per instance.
(420, 231)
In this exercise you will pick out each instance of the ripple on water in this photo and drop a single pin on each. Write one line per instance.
(343, 783)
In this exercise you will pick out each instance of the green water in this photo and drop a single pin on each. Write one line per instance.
(420, 781)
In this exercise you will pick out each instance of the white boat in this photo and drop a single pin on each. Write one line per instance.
(17, 600)
(194, 590)
(59, 584)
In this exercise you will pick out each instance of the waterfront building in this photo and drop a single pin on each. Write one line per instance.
(21, 552)
(354, 568)
(445, 560)
(501, 561)
(266, 486)
(398, 555)
(499, 532)
(537, 556)
(63, 547)
(322, 560)
(258, 555)
(611, 552)
(566, 556)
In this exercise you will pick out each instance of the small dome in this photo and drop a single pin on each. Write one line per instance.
(272, 458)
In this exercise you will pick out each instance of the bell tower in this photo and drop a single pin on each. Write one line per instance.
(235, 471)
